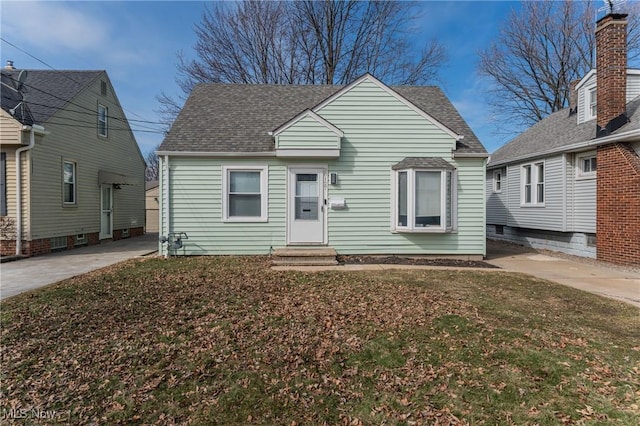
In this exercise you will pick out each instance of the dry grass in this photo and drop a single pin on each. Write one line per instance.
(228, 341)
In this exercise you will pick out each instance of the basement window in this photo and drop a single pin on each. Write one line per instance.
(58, 243)
(81, 239)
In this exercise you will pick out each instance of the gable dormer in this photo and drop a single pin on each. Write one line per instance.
(587, 87)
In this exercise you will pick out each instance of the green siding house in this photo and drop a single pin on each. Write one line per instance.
(363, 169)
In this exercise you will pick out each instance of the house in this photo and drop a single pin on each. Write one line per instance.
(571, 182)
(151, 205)
(363, 168)
(72, 173)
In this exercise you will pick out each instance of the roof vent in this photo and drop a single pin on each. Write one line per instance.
(9, 66)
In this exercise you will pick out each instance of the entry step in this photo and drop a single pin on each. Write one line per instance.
(310, 256)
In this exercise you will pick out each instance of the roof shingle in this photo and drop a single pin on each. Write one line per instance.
(238, 117)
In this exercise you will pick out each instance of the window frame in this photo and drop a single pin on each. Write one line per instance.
(591, 103)
(264, 187)
(105, 121)
(448, 222)
(535, 182)
(74, 184)
(497, 182)
(580, 169)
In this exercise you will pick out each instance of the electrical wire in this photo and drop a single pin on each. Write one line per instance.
(54, 69)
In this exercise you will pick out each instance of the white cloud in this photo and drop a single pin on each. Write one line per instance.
(52, 25)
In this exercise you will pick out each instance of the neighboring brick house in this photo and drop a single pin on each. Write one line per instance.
(71, 171)
(571, 182)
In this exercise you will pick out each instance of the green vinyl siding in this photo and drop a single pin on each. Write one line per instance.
(195, 186)
(308, 134)
(379, 131)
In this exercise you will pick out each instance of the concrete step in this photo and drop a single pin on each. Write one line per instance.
(309, 256)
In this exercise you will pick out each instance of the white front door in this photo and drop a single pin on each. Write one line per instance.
(306, 209)
(106, 211)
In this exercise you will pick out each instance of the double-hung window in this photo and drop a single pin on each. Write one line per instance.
(102, 120)
(497, 180)
(424, 200)
(593, 103)
(532, 179)
(68, 182)
(244, 193)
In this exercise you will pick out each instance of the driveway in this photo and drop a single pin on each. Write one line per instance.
(27, 274)
(586, 274)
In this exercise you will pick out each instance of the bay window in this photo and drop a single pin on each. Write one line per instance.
(424, 200)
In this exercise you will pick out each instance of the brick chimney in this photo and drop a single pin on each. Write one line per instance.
(573, 97)
(611, 73)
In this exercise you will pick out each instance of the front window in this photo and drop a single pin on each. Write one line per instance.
(245, 194)
(532, 181)
(69, 182)
(102, 120)
(425, 200)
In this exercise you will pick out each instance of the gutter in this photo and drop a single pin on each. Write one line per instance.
(33, 129)
(631, 135)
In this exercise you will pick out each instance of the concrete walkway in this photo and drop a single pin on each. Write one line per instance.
(27, 274)
(586, 274)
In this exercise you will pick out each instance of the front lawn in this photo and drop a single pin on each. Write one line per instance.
(228, 341)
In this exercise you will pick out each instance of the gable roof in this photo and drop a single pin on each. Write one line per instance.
(229, 118)
(560, 132)
(45, 91)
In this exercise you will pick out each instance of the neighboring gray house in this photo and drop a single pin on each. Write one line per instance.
(362, 168)
(72, 173)
(571, 182)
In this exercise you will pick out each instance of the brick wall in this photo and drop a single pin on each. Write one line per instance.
(618, 209)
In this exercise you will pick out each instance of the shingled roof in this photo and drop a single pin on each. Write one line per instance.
(237, 117)
(557, 133)
(44, 92)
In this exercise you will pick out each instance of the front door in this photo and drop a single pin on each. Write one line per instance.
(306, 210)
(106, 211)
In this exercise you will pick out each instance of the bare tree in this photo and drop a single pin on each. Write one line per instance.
(152, 171)
(542, 48)
(304, 42)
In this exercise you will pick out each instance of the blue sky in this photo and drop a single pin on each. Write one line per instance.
(136, 43)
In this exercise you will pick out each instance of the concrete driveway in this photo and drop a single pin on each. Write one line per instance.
(27, 274)
(586, 274)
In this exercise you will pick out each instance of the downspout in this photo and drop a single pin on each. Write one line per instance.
(32, 142)
(165, 181)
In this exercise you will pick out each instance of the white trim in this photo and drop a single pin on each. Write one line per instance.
(534, 184)
(585, 79)
(166, 197)
(393, 93)
(291, 170)
(411, 182)
(588, 103)
(304, 114)
(494, 186)
(264, 196)
(470, 154)
(74, 183)
(106, 121)
(217, 154)
(317, 153)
